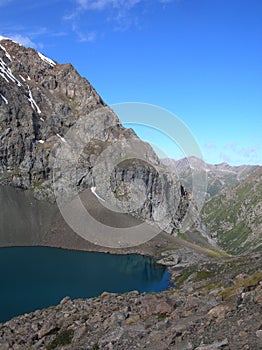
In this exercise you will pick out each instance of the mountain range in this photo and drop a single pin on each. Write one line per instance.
(232, 212)
(219, 176)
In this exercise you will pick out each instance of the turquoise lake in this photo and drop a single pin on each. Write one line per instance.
(37, 277)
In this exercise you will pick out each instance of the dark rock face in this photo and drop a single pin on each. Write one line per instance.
(43, 102)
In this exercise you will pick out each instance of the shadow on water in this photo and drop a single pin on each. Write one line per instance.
(37, 277)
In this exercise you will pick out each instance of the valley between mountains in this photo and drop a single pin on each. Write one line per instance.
(213, 254)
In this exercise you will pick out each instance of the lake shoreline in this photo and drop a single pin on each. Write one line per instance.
(46, 275)
(103, 250)
(39, 223)
(152, 248)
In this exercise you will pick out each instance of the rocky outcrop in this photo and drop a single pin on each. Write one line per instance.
(216, 305)
(40, 101)
(47, 112)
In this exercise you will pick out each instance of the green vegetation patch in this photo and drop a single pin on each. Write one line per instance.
(179, 280)
(243, 191)
(182, 235)
(162, 317)
(233, 240)
(229, 215)
(250, 282)
(203, 275)
(63, 338)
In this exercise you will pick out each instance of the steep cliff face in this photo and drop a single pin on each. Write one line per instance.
(40, 101)
(45, 108)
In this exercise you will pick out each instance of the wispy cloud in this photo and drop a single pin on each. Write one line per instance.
(250, 152)
(167, 1)
(84, 36)
(115, 4)
(232, 152)
(23, 40)
(103, 4)
(210, 145)
(21, 29)
(117, 12)
(30, 37)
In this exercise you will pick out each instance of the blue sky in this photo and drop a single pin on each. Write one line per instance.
(199, 59)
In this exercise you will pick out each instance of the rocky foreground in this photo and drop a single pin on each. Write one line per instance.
(215, 305)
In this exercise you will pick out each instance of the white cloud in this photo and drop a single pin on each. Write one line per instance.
(23, 40)
(123, 5)
(30, 38)
(250, 152)
(234, 153)
(117, 4)
(210, 145)
(90, 37)
(84, 37)
(165, 1)
(102, 4)
(117, 12)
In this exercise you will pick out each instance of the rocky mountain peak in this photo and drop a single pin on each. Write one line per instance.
(41, 104)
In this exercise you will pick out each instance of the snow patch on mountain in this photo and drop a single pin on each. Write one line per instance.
(4, 99)
(61, 138)
(46, 60)
(32, 101)
(7, 73)
(22, 77)
(6, 53)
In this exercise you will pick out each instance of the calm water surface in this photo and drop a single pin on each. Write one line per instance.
(37, 277)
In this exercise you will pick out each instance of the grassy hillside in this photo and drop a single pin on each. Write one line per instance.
(234, 216)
